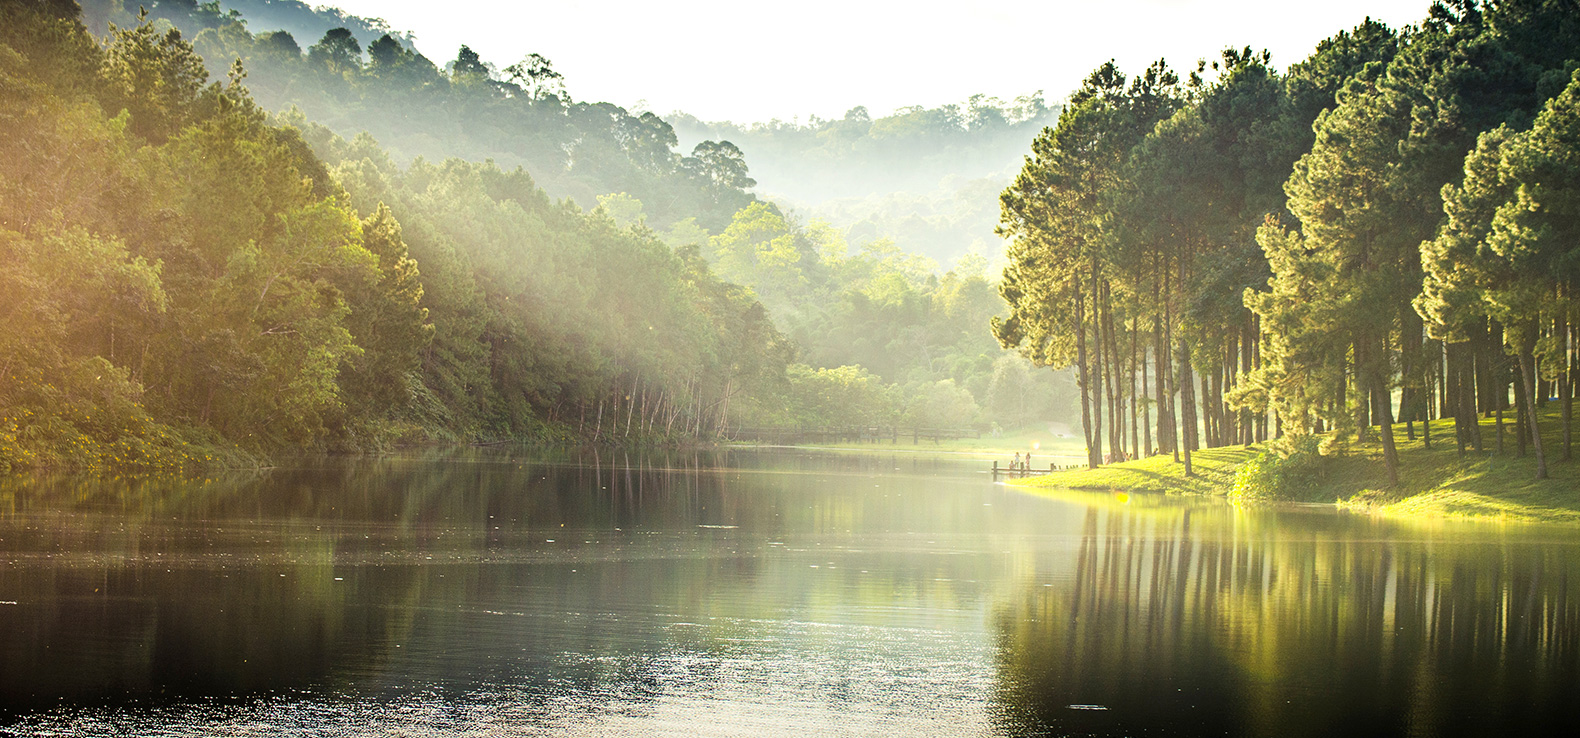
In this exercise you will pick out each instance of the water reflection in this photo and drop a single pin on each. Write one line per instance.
(501, 591)
(1252, 623)
(520, 590)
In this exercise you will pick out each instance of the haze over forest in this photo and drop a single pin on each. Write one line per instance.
(479, 253)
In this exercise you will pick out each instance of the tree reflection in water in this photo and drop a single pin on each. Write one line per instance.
(1229, 622)
(445, 592)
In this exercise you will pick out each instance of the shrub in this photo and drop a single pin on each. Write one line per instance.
(1288, 470)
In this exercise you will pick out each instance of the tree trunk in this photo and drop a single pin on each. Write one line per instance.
(1111, 379)
(1097, 376)
(630, 408)
(1187, 405)
(1362, 409)
(1410, 392)
(1528, 369)
(1467, 396)
(1247, 348)
(1383, 405)
(1162, 364)
(1094, 456)
(1146, 410)
(1565, 377)
(1485, 386)
(1135, 420)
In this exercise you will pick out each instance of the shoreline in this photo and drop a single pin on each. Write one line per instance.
(1435, 483)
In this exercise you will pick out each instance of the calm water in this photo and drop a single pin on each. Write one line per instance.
(507, 592)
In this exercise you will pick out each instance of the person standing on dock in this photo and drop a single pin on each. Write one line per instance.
(1027, 461)
(1015, 465)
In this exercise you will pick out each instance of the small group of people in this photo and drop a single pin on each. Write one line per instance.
(1020, 464)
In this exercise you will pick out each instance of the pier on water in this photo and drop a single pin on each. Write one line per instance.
(1010, 471)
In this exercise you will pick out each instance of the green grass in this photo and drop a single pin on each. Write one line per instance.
(1433, 483)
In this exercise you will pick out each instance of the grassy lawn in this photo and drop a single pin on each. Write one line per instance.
(1434, 482)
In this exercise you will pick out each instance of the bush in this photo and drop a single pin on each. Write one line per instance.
(90, 418)
(1289, 470)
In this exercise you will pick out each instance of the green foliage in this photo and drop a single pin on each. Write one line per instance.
(184, 263)
(155, 75)
(1289, 470)
(879, 308)
(842, 396)
(941, 404)
(521, 116)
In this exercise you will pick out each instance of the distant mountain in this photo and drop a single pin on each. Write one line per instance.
(926, 177)
(295, 17)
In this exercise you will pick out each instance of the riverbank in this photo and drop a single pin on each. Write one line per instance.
(1433, 483)
(1046, 447)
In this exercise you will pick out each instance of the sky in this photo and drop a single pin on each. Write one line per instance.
(752, 61)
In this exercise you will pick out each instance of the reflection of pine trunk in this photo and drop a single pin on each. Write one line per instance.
(1528, 369)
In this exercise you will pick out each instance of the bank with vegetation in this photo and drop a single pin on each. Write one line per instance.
(1437, 479)
(219, 243)
(1331, 261)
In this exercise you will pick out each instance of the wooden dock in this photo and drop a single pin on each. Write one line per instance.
(1014, 472)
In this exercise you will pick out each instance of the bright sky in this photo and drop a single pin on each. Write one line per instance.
(750, 61)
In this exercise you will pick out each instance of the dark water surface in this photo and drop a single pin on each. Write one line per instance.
(502, 592)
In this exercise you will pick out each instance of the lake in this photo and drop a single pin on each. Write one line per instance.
(508, 591)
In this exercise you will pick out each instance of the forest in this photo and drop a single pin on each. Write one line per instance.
(925, 177)
(1381, 234)
(193, 279)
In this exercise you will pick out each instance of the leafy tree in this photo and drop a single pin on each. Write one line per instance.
(387, 320)
(155, 76)
(468, 68)
(1055, 212)
(537, 78)
(338, 52)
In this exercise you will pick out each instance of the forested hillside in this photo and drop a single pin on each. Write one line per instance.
(875, 309)
(295, 17)
(1379, 235)
(924, 177)
(599, 155)
(183, 272)
(521, 115)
